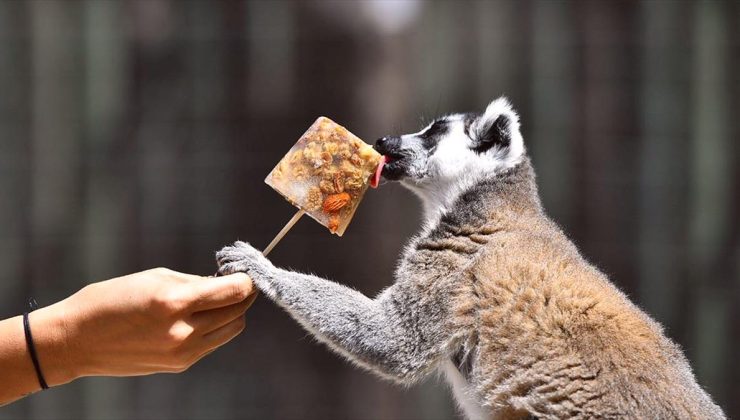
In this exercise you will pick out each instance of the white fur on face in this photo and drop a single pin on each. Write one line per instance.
(454, 166)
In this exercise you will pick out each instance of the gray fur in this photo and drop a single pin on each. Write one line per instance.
(400, 334)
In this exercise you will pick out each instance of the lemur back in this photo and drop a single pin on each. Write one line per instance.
(492, 293)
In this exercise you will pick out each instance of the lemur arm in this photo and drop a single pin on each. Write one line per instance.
(398, 335)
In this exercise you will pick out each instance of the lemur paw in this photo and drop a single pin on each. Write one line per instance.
(242, 257)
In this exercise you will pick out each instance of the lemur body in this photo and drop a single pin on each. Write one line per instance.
(492, 293)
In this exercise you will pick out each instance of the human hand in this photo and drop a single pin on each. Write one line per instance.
(153, 321)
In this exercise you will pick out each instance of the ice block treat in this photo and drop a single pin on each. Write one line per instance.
(326, 173)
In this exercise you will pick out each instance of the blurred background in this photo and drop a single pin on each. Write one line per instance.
(136, 134)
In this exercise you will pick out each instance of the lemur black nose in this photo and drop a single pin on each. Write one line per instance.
(384, 144)
(380, 142)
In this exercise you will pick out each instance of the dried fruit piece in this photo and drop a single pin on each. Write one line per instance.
(296, 157)
(335, 202)
(356, 160)
(332, 148)
(354, 183)
(333, 224)
(327, 187)
(299, 173)
(344, 151)
(279, 172)
(338, 182)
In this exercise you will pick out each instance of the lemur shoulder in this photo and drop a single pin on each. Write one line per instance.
(492, 293)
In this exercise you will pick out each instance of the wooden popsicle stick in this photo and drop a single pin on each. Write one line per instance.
(282, 232)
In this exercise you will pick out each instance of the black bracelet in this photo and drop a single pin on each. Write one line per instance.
(32, 348)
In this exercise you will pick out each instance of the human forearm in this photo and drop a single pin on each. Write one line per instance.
(48, 331)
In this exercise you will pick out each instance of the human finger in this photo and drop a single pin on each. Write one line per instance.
(224, 334)
(210, 320)
(218, 292)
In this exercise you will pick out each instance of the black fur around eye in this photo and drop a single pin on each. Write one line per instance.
(438, 128)
(433, 134)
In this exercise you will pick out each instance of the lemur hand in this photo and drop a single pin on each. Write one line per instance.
(242, 257)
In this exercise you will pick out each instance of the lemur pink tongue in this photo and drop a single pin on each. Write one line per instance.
(379, 170)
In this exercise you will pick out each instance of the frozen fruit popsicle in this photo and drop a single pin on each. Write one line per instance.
(325, 174)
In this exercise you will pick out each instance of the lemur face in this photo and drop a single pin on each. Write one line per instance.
(454, 147)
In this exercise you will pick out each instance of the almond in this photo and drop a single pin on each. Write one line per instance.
(335, 202)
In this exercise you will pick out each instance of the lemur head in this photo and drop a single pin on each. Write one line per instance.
(453, 152)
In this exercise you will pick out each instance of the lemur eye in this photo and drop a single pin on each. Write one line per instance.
(439, 127)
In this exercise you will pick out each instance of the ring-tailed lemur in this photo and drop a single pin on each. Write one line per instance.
(492, 293)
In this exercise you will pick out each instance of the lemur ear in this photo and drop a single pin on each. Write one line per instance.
(498, 127)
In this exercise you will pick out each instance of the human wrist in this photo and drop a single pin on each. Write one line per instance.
(50, 327)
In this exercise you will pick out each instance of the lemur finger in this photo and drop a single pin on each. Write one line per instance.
(238, 251)
(231, 268)
(228, 254)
